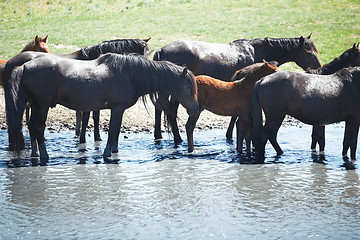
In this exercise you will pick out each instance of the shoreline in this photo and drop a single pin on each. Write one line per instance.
(137, 118)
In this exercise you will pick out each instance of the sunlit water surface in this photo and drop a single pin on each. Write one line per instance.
(151, 190)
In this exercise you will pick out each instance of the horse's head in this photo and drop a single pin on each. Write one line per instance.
(305, 55)
(40, 44)
(354, 55)
(187, 93)
(144, 45)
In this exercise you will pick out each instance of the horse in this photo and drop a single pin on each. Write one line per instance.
(312, 99)
(349, 58)
(230, 99)
(220, 61)
(112, 81)
(121, 46)
(37, 45)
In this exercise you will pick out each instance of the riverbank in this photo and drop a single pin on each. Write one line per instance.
(138, 118)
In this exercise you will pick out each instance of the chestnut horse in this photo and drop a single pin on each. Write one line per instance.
(229, 99)
(112, 81)
(220, 61)
(312, 99)
(38, 45)
(350, 58)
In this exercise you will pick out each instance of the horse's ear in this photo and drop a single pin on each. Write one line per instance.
(302, 40)
(185, 71)
(37, 39)
(309, 36)
(357, 46)
(146, 40)
(274, 63)
(45, 39)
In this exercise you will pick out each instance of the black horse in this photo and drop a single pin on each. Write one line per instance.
(122, 46)
(313, 99)
(112, 81)
(350, 58)
(221, 61)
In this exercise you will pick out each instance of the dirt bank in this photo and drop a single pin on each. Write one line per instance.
(137, 118)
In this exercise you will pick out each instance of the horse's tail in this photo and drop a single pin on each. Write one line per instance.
(15, 105)
(257, 120)
(157, 55)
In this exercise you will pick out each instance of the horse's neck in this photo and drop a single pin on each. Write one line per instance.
(275, 53)
(332, 67)
(74, 55)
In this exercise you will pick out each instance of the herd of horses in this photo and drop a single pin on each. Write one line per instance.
(240, 79)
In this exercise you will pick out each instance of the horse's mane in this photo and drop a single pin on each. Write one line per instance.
(122, 46)
(335, 65)
(288, 43)
(150, 77)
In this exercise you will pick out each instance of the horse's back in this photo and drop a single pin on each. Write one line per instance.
(219, 60)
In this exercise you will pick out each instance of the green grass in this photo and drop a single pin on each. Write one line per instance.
(76, 23)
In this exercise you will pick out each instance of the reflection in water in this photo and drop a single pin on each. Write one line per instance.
(154, 191)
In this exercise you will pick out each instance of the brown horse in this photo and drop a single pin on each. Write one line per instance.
(313, 99)
(350, 58)
(221, 61)
(38, 45)
(229, 99)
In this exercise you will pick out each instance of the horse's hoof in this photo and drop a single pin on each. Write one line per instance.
(178, 141)
(157, 136)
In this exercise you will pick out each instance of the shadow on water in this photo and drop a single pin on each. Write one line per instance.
(140, 148)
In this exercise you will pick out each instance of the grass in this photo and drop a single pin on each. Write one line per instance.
(76, 23)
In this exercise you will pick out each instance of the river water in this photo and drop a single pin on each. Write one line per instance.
(151, 190)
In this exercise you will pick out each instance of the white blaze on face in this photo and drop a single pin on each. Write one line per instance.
(322, 86)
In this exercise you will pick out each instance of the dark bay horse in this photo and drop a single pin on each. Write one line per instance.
(350, 58)
(229, 99)
(313, 99)
(112, 81)
(37, 45)
(221, 61)
(122, 46)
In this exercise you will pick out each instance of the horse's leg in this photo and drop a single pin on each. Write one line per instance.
(230, 128)
(157, 131)
(314, 139)
(171, 116)
(34, 145)
(190, 126)
(114, 128)
(84, 124)
(37, 128)
(115, 146)
(353, 141)
(350, 139)
(271, 129)
(239, 136)
(246, 124)
(78, 122)
(96, 118)
(321, 138)
(346, 140)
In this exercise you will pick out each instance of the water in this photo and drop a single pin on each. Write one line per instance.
(154, 191)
